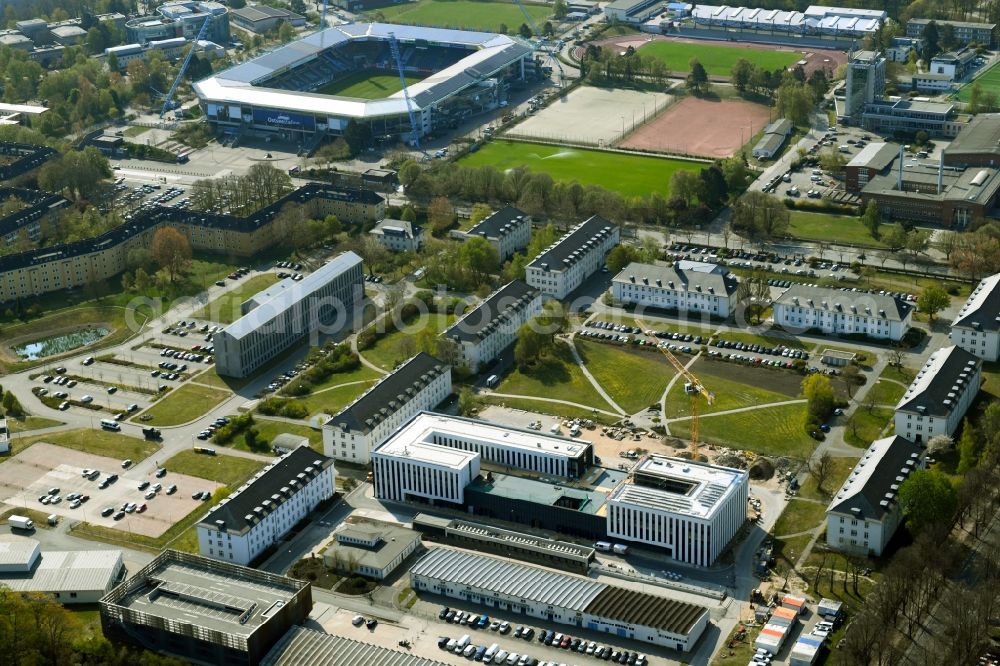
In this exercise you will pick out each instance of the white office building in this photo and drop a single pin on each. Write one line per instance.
(485, 331)
(805, 308)
(976, 329)
(266, 507)
(508, 230)
(420, 384)
(940, 394)
(578, 254)
(408, 471)
(398, 235)
(281, 315)
(555, 596)
(686, 286)
(865, 513)
(693, 510)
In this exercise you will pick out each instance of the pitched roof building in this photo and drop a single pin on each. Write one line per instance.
(508, 230)
(940, 394)
(976, 329)
(803, 307)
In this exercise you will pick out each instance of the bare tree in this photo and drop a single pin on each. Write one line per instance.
(819, 469)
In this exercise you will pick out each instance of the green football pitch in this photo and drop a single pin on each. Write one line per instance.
(367, 85)
(717, 60)
(630, 175)
(989, 81)
(464, 14)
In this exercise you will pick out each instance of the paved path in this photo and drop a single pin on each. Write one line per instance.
(552, 400)
(590, 377)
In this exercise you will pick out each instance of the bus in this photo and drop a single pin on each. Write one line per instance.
(108, 424)
(205, 450)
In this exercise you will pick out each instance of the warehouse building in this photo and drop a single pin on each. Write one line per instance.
(633, 11)
(484, 332)
(283, 314)
(692, 510)
(872, 160)
(560, 597)
(204, 610)
(369, 549)
(308, 647)
(686, 286)
(865, 513)
(398, 235)
(420, 384)
(977, 145)
(260, 18)
(976, 329)
(774, 138)
(578, 254)
(267, 507)
(508, 230)
(965, 32)
(806, 308)
(940, 394)
(71, 577)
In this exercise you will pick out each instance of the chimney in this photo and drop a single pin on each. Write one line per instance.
(899, 178)
(940, 172)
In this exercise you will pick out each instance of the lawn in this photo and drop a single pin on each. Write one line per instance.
(632, 175)
(367, 84)
(182, 405)
(398, 346)
(717, 60)
(633, 379)
(989, 81)
(799, 516)
(333, 400)
(226, 308)
(270, 429)
(96, 442)
(227, 470)
(774, 431)
(557, 377)
(991, 379)
(30, 423)
(891, 385)
(840, 468)
(729, 394)
(463, 14)
(831, 228)
(864, 427)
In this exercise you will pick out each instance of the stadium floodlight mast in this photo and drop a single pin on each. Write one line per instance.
(394, 46)
(187, 61)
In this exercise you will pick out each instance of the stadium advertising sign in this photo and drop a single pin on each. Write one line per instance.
(284, 119)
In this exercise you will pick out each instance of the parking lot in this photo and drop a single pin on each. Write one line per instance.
(36, 471)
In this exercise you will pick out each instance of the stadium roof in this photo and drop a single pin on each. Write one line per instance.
(307, 647)
(236, 85)
(982, 311)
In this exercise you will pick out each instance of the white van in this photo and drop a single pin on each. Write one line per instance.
(109, 424)
(492, 381)
(603, 546)
(490, 651)
(463, 642)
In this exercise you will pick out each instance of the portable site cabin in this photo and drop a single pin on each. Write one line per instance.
(796, 603)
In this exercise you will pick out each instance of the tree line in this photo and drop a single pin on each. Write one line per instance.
(241, 195)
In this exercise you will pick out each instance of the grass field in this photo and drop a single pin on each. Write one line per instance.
(888, 392)
(799, 516)
(367, 85)
(30, 423)
(96, 442)
(226, 308)
(989, 81)
(269, 429)
(772, 431)
(335, 399)
(863, 427)
(729, 393)
(633, 379)
(717, 60)
(182, 405)
(632, 175)
(688, 328)
(557, 377)
(227, 470)
(832, 228)
(549, 408)
(465, 14)
(841, 467)
(398, 346)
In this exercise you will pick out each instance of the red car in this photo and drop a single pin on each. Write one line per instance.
(142, 508)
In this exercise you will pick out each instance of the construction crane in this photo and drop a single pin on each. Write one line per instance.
(322, 17)
(394, 45)
(167, 103)
(694, 388)
(537, 44)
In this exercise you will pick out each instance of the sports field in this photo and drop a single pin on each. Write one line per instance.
(367, 85)
(989, 81)
(630, 175)
(464, 14)
(717, 60)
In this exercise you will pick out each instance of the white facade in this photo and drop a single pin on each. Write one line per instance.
(406, 471)
(398, 235)
(703, 288)
(691, 509)
(267, 506)
(577, 255)
(932, 82)
(936, 401)
(802, 307)
(865, 513)
(508, 230)
(484, 332)
(976, 329)
(4, 437)
(72, 577)
(420, 384)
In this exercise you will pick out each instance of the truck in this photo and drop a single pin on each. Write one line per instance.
(620, 549)
(152, 433)
(21, 523)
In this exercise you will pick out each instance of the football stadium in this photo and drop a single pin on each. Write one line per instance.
(315, 86)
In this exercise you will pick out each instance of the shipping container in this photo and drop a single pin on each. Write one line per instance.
(784, 616)
(796, 603)
(805, 651)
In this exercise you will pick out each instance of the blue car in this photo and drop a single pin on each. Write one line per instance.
(825, 428)
(484, 621)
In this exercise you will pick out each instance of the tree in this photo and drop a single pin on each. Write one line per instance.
(932, 39)
(467, 403)
(698, 78)
(357, 135)
(285, 31)
(872, 219)
(620, 257)
(531, 345)
(171, 250)
(12, 405)
(968, 448)
(933, 299)
(757, 214)
(112, 62)
(684, 185)
(852, 377)
(820, 470)
(832, 160)
(440, 214)
(713, 188)
(928, 500)
(740, 74)
(479, 212)
(524, 31)
(819, 396)
(559, 9)
(480, 256)
(795, 102)
(939, 445)
(896, 238)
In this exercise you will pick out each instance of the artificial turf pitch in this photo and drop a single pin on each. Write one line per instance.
(630, 175)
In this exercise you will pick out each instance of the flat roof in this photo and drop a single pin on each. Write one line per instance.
(957, 24)
(17, 552)
(186, 590)
(262, 13)
(496, 308)
(431, 454)
(679, 486)
(492, 534)
(583, 500)
(66, 571)
(876, 155)
(21, 108)
(307, 647)
(425, 427)
(392, 542)
(980, 136)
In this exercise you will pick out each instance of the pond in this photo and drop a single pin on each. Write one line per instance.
(59, 343)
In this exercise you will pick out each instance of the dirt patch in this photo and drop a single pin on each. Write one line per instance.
(701, 127)
(779, 381)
